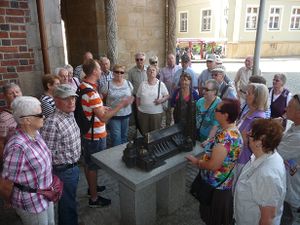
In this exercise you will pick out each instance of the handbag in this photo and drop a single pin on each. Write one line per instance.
(53, 193)
(203, 191)
(164, 104)
(6, 189)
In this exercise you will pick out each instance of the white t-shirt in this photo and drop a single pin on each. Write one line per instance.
(147, 94)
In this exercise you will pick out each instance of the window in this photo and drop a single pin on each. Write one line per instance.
(274, 18)
(295, 19)
(183, 22)
(251, 18)
(206, 20)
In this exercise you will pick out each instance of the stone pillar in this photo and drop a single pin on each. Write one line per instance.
(111, 30)
(172, 4)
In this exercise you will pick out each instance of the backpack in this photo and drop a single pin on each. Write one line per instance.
(82, 121)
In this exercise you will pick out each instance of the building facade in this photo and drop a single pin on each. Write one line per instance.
(115, 28)
(233, 24)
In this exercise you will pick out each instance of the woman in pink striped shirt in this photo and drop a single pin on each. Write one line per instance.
(28, 162)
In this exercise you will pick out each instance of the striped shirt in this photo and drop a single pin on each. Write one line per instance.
(62, 136)
(7, 124)
(48, 105)
(90, 101)
(104, 78)
(27, 161)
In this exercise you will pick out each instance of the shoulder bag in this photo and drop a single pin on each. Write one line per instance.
(203, 191)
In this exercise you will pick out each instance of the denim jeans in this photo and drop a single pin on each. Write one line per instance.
(90, 147)
(119, 130)
(67, 205)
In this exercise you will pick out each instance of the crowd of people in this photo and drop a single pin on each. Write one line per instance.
(248, 159)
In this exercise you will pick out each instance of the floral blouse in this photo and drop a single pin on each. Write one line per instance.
(232, 141)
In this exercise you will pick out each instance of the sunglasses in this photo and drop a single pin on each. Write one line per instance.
(249, 134)
(153, 62)
(207, 89)
(139, 59)
(276, 80)
(40, 115)
(219, 110)
(119, 72)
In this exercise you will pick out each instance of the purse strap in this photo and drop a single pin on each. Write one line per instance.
(225, 177)
(158, 90)
(203, 116)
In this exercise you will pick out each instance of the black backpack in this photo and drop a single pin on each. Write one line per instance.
(82, 121)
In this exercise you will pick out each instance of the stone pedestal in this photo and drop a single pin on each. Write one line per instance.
(138, 207)
(170, 192)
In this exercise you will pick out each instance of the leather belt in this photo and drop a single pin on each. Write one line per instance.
(63, 167)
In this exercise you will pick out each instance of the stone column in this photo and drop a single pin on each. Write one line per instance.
(172, 4)
(111, 30)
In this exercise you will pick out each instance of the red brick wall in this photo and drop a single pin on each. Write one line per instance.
(15, 55)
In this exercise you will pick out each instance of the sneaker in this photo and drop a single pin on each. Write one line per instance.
(99, 189)
(100, 202)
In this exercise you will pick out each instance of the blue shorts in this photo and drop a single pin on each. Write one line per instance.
(90, 147)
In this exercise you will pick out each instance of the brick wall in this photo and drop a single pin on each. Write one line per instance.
(15, 55)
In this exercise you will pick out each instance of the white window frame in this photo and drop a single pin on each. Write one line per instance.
(187, 21)
(209, 18)
(297, 17)
(251, 14)
(273, 16)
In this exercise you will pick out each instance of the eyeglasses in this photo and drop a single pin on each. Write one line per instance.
(207, 89)
(219, 110)
(214, 74)
(249, 134)
(139, 59)
(119, 72)
(276, 80)
(40, 115)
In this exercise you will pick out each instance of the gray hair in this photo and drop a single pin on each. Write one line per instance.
(24, 106)
(215, 85)
(153, 59)
(9, 86)
(261, 95)
(68, 66)
(281, 76)
(142, 54)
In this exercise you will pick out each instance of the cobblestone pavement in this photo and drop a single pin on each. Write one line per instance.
(188, 214)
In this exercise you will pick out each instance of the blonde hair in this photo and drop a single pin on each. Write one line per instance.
(261, 95)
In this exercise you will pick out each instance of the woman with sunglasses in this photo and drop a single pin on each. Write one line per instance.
(28, 162)
(261, 187)
(207, 124)
(114, 91)
(185, 89)
(279, 97)
(154, 61)
(217, 164)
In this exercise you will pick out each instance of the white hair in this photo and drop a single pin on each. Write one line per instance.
(56, 71)
(23, 106)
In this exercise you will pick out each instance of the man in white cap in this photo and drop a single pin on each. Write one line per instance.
(207, 73)
(225, 90)
(62, 136)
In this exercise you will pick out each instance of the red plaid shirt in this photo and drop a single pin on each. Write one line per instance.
(28, 162)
